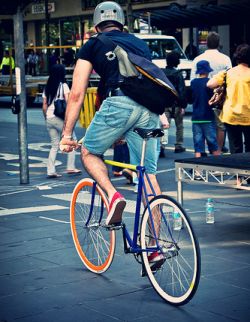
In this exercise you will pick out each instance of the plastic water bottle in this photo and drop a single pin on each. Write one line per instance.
(210, 211)
(177, 220)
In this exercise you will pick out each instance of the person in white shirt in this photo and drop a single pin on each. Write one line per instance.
(55, 88)
(218, 62)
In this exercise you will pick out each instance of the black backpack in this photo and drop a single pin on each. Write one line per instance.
(142, 80)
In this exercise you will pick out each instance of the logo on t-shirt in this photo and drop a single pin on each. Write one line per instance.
(110, 55)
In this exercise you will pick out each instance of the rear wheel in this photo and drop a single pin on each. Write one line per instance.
(94, 243)
(174, 271)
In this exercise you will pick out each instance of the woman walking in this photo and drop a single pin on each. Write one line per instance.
(56, 87)
(236, 109)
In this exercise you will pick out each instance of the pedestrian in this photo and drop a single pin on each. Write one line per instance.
(203, 118)
(54, 59)
(118, 115)
(121, 154)
(163, 141)
(191, 50)
(218, 62)
(176, 111)
(7, 64)
(236, 109)
(69, 57)
(32, 61)
(55, 124)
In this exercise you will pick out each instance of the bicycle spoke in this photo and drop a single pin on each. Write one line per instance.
(177, 276)
(95, 244)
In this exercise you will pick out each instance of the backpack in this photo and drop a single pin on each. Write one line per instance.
(176, 78)
(142, 80)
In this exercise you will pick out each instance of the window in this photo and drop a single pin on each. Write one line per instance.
(160, 47)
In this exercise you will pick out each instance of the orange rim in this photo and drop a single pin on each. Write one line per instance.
(90, 265)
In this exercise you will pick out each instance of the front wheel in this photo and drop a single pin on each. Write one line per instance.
(174, 267)
(94, 243)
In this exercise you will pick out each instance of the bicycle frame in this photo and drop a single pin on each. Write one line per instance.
(130, 244)
(133, 246)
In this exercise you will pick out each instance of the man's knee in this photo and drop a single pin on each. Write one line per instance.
(85, 153)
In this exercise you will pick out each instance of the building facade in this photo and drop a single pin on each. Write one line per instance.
(70, 22)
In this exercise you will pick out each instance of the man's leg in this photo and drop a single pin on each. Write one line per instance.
(98, 170)
(211, 138)
(156, 214)
(246, 133)
(162, 147)
(179, 130)
(220, 138)
(235, 138)
(220, 129)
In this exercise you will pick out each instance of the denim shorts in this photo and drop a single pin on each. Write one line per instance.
(204, 132)
(118, 116)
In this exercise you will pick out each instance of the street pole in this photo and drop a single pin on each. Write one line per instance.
(130, 20)
(22, 115)
(47, 32)
(149, 22)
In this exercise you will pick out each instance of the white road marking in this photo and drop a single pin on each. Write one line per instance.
(45, 187)
(55, 220)
(60, 196)
(15, 211)
(39, 162)
(165, 170)
(14, 192)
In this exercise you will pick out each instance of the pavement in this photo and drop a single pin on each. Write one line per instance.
(43, 279)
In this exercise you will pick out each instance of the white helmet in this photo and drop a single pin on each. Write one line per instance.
(108, 11)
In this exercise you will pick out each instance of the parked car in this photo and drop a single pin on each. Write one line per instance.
(160, 45)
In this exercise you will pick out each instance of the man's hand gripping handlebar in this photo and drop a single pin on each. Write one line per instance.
(67, 144)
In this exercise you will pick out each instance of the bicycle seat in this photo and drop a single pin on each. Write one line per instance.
(149, 133)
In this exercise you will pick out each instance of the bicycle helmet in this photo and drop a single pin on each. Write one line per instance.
(108, 11)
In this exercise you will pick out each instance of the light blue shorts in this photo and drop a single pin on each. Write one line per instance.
(118, 116)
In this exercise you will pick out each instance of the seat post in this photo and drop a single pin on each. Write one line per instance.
(144, 142)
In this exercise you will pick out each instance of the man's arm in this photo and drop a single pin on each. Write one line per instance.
(212, 83)
(80, 83)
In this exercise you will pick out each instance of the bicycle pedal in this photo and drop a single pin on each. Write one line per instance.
(114, 226)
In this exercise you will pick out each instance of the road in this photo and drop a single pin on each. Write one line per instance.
(42, 278)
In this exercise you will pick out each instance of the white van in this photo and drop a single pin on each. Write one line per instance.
(160, 45)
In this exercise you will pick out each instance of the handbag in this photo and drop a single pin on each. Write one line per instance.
(60, 104)
(219, 95)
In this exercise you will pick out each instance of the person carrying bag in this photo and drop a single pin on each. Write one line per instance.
(60, 103)
(55, 96)
(235, 113)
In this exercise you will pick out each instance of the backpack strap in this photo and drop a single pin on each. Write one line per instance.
(60, 91)
(106, 40)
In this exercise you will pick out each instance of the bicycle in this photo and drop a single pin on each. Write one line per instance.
(177, 274)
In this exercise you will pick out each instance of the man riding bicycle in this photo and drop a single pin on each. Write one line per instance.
(118, 116)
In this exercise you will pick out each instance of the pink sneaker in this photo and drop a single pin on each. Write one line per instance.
(116, 208)
(156, 260)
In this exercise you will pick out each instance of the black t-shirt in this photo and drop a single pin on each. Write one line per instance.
(95, 52)
(201, 94)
